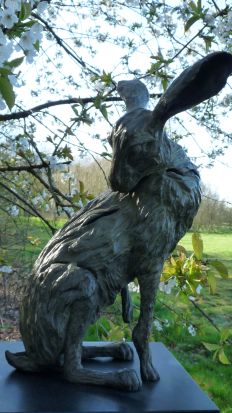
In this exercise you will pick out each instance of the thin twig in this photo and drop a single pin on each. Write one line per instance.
(28, 168)
(11, 191)
(205, 315)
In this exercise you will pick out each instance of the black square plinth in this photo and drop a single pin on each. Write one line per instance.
(48, 393)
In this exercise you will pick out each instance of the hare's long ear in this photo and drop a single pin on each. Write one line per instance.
(197, 83)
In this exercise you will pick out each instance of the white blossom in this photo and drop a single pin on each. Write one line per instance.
(29, 37)
(14, 80)
(5, 52)
(198, 289)
(157, 325)
(222, 29)
(13, 211)
(74, 192)
(2, 103)
(37, 200)
(13, 4)
(27, 40)
(133, 287)
(209, 19)
(6, 269)
(37, 31)
(8, 17)
(3, 39)
(42, 6)
(30, 54)
(191, 298)
(23, 142)
(192, 330)
(166, 287)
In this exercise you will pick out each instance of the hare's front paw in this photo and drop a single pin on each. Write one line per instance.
(127, 380)
(148, 372)
(123, 352)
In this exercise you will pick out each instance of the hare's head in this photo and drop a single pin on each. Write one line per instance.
(137, 138)
(136, 152)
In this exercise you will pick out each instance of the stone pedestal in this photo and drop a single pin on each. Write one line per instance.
(48, 393)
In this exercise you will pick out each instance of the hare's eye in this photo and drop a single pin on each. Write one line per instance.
(134, 153)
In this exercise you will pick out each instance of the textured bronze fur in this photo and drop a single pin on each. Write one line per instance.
(124, 233)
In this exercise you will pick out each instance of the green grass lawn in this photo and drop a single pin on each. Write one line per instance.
(216, 245)
(23, 239)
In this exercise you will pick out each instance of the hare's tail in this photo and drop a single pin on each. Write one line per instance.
(21, 361)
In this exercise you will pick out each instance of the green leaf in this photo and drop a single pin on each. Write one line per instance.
(116, 334)
(65, 152)
(4, 71)
(210, 346)
(225, 333)
(106, 78)
(90, 197)
(97, 102)
(220, 267)
(164, 83)
(82, 187)
(104, 112)
(6, 90)
(208, 42)
(37, 45)
(75, 198)
(215, 354)
(25, 11)
(197, 244)
(16, 62)
(193, 6)
(154, 68)
(106, 154)
(74, 108)
(191, 21)
(223, 358)
(212, 282)
(181, 249)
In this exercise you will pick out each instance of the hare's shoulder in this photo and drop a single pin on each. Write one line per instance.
(78, 230)
(105, 204)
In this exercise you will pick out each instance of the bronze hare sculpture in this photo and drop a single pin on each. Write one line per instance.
(124, 233)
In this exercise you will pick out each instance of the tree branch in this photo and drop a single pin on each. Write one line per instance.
(28, 168)
(216, 6)
(204, 314)
(37, 213)
(20, 206)
(82, 101)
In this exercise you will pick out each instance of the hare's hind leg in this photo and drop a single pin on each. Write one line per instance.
(118, 351)
(82, 314)
(21, 361)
